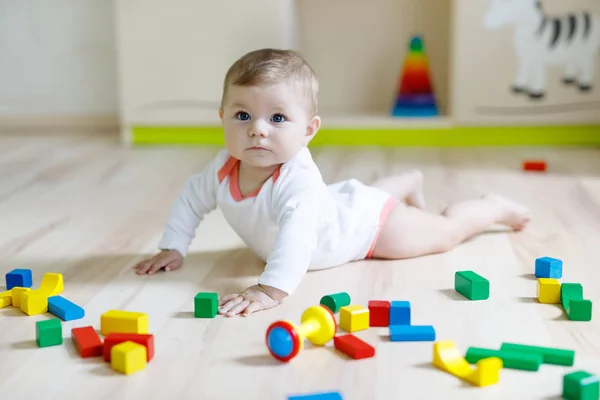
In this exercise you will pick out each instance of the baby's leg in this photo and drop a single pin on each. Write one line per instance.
(410, 232)
(407, 187)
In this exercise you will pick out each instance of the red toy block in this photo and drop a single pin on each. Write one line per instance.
(379, 313)
(353, 346)
(87, 341)
(534, 165)
(114, 339)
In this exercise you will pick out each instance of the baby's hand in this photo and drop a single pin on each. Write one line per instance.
(167, 259)
(253, 299)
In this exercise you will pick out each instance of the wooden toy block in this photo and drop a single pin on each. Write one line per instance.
(49, 332)
(19, 278)
(548, 291)
(16, 295)
(353, 346)
(548, 267)
(33, 302)
(447, 358)
(114, 339)
(412, 333)
(87, 341)
(510, 359)
(471, 285)
(206, 305)
(400, 313)
(5, 298)
(64, 309)
(317, 396)
(534, 165)
(336, 301)
(52, 284)
(354, 318)
(128, 357)
(581, 385)
(117, 321)
(550, 355)
(379, 313)
(576, 307)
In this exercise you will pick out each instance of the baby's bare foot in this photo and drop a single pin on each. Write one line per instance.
(513, 214)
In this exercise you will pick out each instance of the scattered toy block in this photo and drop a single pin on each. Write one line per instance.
(510, 359)
(576, 307)
(51, 285)
(19, 278)
(64, 309)
(335, 301)
(16, 295)
(400, 313)
(113, 339)
(412, 333)
(354, 318)
(35, 301)
(128, 357)
(206, 305)
(535, 165)
(353, 346)
(471, 285)
(548, 267)
(447, 358)
(117, 321)
(581, 385)
(317, 396)
(550, 355)
(87, 341)
(49, 332)
(548, 291)
(379, 313)
(5, 298)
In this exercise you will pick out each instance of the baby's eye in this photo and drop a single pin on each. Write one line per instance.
(278, 118)
(243, 116)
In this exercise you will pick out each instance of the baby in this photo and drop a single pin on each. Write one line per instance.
(272, 194)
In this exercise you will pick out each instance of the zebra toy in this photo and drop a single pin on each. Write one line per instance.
(571, 41)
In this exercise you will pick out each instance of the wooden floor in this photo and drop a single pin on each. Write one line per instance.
(89, 209)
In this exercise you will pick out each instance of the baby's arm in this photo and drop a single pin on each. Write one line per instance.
(197, 199)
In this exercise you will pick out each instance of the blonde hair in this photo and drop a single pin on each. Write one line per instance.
(269, 66)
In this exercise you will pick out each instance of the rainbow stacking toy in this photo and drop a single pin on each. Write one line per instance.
(415, 97)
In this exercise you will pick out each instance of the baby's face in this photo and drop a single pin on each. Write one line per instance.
(266, 125)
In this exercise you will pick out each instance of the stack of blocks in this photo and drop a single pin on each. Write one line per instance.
(397, 316)
(548, 271)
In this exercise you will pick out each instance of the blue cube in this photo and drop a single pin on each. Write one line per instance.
(19, 278)
(548, 267)
(412, 333)
(400, 313)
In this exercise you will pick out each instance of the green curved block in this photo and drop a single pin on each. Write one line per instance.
(335, 301)
(576, 307)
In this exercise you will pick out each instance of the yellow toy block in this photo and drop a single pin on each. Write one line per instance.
(548, 291)
(16, 295)
(447, 358)
(123, 322)
(128, 357)
(354, 318)
(33, 303)
(52, 284)
(6, 298)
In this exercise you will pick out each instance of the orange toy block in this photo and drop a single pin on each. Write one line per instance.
(87, 341)
(114, 339)
(117, 321)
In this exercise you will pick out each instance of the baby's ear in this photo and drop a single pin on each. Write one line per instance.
(221, 114)
(311, 130)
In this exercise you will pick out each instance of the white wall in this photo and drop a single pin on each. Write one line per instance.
(57, 58)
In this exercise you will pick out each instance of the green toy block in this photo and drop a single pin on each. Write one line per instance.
(49, 332)
(576, 307)
(581, 385)
(549, 355)
(335, 301)
(206, 305)
(471, 285)
(510, 359)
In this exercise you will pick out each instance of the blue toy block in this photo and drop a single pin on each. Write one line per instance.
(412, 333)
(64, 309)
(317, 396)
(400, 313)
(548, 267)
(19, 278)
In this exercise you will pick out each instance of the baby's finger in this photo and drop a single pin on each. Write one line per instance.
(143, 267)
(239, 308)
(156, 265)
(253, 307)
(228, 298)
(172, 266)
(229, 305)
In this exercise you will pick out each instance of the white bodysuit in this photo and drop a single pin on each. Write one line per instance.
(295, 222)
